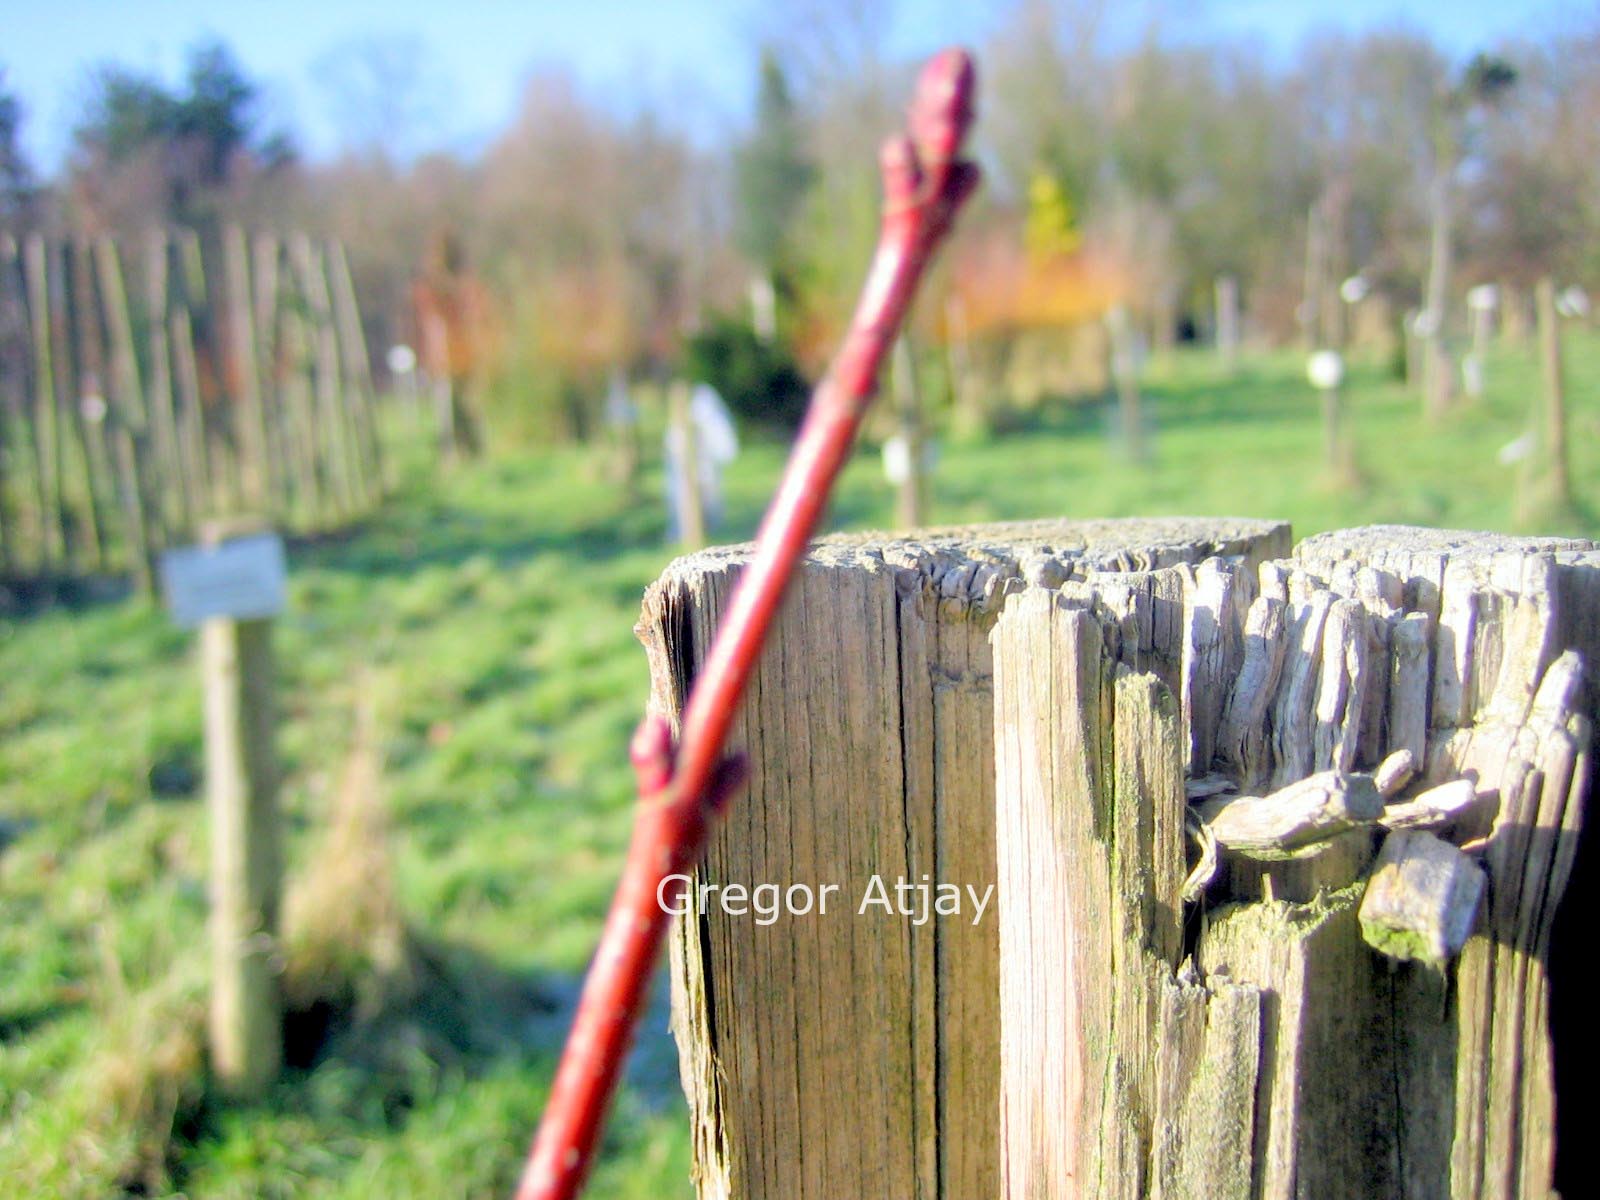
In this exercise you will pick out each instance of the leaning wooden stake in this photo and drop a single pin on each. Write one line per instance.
(46, 427)
(680, 790)
(358, 370)
(258, 483)
(129, 439)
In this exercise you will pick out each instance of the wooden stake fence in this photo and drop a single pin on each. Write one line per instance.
(149, 386)
(1176, 751)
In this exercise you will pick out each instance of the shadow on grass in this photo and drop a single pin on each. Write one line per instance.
(463, 1018)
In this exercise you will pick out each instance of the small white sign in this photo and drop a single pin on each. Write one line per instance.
(245, 578)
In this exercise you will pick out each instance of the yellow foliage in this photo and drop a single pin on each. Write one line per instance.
(1052, 226)
(1001, 286)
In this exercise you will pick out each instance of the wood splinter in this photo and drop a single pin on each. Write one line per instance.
(1394, 772)
(1422, 899)
(1294, 819)
(1436, 807)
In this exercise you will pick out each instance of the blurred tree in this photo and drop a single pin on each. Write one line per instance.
(1480, 86)
(757, 378)
(16, 176)
(143, 149)
(384, 92)
(1533, 205)
(772, 172)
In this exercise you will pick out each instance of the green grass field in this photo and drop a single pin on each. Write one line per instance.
(488, 618)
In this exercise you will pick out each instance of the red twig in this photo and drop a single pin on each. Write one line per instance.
(681, 789)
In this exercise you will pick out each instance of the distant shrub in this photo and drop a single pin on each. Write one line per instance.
(759, 380)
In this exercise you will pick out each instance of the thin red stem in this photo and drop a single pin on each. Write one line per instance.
(682, 789)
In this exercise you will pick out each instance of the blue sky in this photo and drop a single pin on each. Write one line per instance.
(696, 54)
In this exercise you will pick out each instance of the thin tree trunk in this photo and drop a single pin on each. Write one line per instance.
(46, 427)
(1437, 370)
(130, 427)
(178, 488)
(689, 501)
(1554, 424)
(1125, 375)
(1227, 318)
(358, 370)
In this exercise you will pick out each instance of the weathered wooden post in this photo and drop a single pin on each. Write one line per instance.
(233, 586)
(265, 286)
(1278, 846)
(848, 1053)
(258, 483)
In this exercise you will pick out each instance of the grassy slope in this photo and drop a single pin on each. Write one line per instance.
(493, 617)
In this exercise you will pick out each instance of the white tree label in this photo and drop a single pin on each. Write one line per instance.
(244, 578)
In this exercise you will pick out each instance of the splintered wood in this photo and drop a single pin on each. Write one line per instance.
(1278, 843)
(1422, 688)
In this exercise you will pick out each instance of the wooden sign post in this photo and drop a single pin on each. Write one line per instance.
(232, 587)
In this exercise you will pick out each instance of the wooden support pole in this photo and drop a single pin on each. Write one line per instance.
(341, 383)
(45, 410)
(246, 1034)
(1125, 376)
(199, 342)
(257, 483)
(1553, 424)
(1227, 318)
(130, 424)
(358, 369)
(275, 372)
(13, 390)
(299, 417)
(688, 501)
(332, 432)
(179, 491)
(82, 341)
(855, 1053)
(192, 435)
(911, 496)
